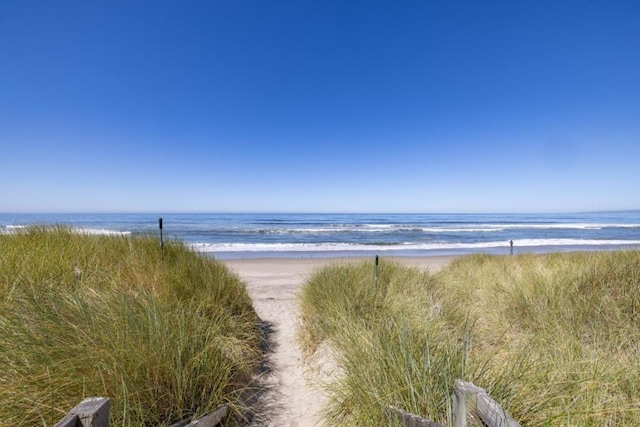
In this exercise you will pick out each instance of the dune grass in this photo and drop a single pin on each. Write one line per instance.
(554, 338)
(85, 315)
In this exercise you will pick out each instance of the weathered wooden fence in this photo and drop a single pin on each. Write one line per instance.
(94, 412)
(467, 399)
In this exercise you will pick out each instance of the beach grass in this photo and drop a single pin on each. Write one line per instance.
(554, 338)
(84, 315)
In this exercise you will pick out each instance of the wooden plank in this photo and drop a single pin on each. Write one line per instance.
(212, 419)
(489, 411)
(182, 423)
(91, 412)
(410, 420)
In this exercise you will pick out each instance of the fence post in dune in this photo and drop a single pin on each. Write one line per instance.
(91, 412)
(161, 240)
(484, 407)
(459, 408)
(376, 274)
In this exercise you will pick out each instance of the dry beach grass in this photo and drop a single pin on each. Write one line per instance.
(554, 338)
(88, 315)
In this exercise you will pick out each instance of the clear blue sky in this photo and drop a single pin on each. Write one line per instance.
(323, 106)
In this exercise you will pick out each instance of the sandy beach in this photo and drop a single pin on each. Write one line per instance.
(273, 284)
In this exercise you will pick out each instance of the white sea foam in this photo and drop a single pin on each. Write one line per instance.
(380, 229)
(10, 229)
(345, 247)
(576, 226)
(100, 232)
(457, 228)
(460, 230)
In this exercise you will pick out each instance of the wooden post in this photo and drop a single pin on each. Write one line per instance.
(161, 240)
(91, 412)
(376, 273)
(484, 409)
(459, 407)
(489, 411)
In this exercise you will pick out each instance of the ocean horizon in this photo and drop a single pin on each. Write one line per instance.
(280, 235)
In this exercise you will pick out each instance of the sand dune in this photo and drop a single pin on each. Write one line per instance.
(274, 284)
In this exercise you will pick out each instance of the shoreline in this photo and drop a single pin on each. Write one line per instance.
(400, 254)
(302, 266)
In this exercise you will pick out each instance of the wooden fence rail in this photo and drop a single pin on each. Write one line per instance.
(209, 420)
(408, 419)
(467, 398)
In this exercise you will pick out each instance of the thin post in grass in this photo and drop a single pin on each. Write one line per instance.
(161, 240)
(376, 274)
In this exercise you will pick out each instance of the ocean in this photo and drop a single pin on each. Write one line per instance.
(234, 236)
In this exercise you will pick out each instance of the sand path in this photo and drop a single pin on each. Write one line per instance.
(274, 285)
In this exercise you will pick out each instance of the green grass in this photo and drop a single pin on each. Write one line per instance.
(88, 316)
(554, 338)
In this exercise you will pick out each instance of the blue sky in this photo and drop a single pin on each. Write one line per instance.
(325, 106)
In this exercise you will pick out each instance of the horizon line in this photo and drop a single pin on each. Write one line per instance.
(293, 212)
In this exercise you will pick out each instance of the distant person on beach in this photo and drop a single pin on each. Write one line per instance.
(511, 244)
